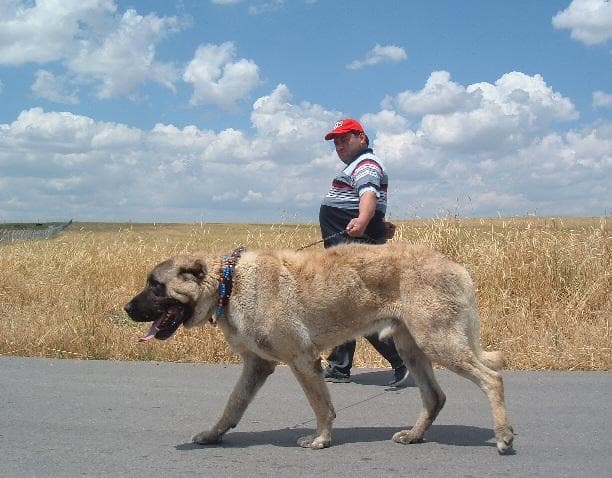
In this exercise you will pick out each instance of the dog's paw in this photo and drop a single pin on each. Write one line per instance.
(504, 439)
(314, 442)
(207, 438)
(406, 437)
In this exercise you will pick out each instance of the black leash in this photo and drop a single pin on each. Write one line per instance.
(339, 233)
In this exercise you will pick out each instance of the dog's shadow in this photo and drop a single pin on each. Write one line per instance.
(456, 435)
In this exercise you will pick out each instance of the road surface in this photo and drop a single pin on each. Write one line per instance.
(69, 418)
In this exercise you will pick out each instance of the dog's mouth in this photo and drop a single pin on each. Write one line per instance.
(166, 325)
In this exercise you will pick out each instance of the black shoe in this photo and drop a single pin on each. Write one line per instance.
(401, 377)
(334, 376)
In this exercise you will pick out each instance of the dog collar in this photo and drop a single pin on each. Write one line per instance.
(226, 282)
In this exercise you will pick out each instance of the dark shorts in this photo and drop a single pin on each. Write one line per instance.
(333, 222)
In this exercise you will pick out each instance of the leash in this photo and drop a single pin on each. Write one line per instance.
(346, 407)
(339, 233)
(331, 236)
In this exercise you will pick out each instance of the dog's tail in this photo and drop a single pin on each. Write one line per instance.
(493, 359)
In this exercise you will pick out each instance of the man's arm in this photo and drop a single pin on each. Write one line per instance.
(367, 207)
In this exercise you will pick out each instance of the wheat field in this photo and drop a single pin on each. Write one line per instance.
(544, 287)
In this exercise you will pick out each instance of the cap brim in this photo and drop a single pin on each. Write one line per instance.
(339, 131)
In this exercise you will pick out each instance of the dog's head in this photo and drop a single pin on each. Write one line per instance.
(178, 291)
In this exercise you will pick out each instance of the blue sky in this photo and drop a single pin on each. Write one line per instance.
(215, 110)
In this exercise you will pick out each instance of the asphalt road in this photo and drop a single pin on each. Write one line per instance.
(69, 418)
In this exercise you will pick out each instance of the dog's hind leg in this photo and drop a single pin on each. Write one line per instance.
(310, 377)
(255, 371)
(422, 372)
(461, 353)
(491, 383)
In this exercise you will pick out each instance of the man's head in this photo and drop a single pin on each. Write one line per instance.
(349, 138)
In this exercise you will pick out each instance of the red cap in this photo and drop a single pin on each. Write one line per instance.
(346, 125)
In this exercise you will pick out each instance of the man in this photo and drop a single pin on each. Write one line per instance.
(354, 211)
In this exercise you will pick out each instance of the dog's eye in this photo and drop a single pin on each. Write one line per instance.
(157, 287)
(193, 273)
(188, 276)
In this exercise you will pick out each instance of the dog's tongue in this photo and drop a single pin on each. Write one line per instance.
(152, 331)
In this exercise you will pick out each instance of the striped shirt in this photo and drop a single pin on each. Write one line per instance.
(365, 173)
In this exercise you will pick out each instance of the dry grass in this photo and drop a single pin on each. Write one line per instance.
(544, 287)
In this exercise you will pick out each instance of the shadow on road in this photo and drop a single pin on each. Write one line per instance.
(455, 435)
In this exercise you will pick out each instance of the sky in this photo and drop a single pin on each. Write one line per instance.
(215, 110)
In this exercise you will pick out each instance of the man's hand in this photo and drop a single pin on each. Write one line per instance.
(356, 228)
(367, 205)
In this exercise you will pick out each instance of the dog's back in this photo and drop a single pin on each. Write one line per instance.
(351, 290)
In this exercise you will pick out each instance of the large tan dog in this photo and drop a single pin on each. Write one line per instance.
(289, 306)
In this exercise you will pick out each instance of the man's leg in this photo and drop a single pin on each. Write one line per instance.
(340, 362)
(387, 349)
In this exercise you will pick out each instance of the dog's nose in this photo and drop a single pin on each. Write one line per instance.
(128, 308)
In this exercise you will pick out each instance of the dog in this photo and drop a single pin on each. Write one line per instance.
(287, 306)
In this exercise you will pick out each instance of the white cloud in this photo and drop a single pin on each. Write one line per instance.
(279, 121)
(440, 95)
(484, 116)
(65, 133)
(115, 52)
(126, 56)
(188, 140)
(46, 30)
(380, 54)
(225, 196)
(386, 120)
(252, 196)
(493, 154)
(228, 146)
(53, 88)
(57, 165)
(35, 130)
(71, 165)
(408, 155)
(266, 7)
(218, 78)
(111, 136)
(258, 8)
(564, 174)
(572, 169)
(590, 21)
(602, 100)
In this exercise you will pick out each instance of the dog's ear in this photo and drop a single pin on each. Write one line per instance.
(196, 269)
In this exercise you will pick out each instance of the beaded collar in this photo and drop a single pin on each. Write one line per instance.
(226, 282)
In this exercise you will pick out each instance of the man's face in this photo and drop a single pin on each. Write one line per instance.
(348, 145)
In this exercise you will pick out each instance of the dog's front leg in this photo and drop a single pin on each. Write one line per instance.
(254, 373)
(310, 376)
